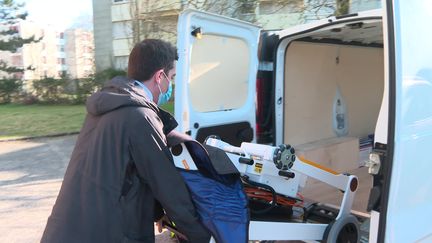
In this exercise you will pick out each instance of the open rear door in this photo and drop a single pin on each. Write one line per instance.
(216, 76)
(406, 204)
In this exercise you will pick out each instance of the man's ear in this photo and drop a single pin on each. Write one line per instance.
(158, 75)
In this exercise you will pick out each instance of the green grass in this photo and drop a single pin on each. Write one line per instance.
(18, 121)
(39, 120)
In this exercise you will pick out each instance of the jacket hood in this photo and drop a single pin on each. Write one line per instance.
(118, 92)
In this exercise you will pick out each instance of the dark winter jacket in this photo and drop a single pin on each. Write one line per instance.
(119, 167)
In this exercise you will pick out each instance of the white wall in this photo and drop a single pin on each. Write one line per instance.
(102, 34)
(311, 79)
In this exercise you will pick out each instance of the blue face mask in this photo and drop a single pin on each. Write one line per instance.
(164, 97)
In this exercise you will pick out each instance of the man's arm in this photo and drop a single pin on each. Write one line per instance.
(175, 137)
(154, 165)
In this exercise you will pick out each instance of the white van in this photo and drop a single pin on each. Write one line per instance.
(337, 90)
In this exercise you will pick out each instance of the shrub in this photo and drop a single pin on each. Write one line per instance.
(87, 86)
(56, 91)
(9, 89)
(107, 74)
(51, 90)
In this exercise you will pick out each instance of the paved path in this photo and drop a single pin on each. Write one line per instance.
(31, 173)
(30, 177)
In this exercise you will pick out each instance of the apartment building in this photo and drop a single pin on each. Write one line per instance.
(56, 54)
(46, 58)
(119, 24)
(122, 23)
(79, 51)
(11, 59)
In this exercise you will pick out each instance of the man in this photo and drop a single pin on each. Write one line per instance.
(121, 165)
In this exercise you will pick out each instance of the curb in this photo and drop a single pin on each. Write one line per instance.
(37, 137)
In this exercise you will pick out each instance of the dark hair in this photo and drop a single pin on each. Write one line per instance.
(148, 56)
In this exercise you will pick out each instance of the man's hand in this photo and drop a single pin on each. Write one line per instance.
(159, 223)
(159, 226)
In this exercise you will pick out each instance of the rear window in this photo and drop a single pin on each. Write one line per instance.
(219, 73)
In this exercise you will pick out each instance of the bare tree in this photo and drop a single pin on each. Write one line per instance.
(318, 9)
(158, 18)
(149, 16)
(342, 7)
(151, 19)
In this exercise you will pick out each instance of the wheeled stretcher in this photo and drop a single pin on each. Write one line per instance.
(271, 176)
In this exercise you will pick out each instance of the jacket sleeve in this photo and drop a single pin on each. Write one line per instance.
(154, 164)
(175, 137)
(158, 212)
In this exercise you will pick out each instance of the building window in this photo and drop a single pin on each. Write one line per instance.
(119, 1)
(14, 28)
(62, 73)
(121, 62)
(122, 30)
(19, 75)
(61, 35)
(61, 61)
(17, 60)
(213, 73)
(149, 26)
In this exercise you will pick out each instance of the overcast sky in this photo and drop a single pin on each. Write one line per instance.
(60, 14)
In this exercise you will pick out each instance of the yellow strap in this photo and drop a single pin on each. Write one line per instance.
(318, 166)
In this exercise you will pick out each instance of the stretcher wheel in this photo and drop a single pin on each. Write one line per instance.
(344, 230)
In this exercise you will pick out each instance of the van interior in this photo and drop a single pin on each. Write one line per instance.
(321, 89)
(333, 87)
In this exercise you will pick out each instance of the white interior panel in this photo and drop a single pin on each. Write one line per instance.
(313, 71)
(219, 73)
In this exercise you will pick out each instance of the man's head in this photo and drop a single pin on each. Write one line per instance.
(152, 62)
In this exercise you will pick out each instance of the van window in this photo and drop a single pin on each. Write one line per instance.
(219, 73)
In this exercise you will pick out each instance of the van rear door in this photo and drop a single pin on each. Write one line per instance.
(406, 204)
(216, 77)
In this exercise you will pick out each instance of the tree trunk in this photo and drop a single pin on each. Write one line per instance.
(342, 7)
